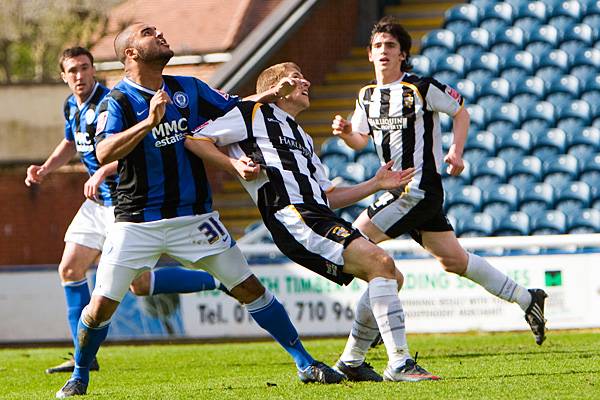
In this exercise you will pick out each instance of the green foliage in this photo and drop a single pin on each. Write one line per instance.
(473, 366)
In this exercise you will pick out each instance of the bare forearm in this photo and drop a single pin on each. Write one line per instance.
(108, 169)
(116, 147)
(61, 155)
(460, 129)
(344, 196)
(207, 151)
(355, 140)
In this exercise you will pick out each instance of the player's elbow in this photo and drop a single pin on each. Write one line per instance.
(102, 154)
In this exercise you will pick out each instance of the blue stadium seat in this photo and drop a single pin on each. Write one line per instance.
(452, 63)
(591, 85)
(467, 89)
(530, 11)
(459, 214)
(485, 61)
(498, 88)
(592, 178)
(524, 101)
(334, 163)
(578, 110)
(521, 60)
(585, 64)
(535, 127)
(468, 197)
(530, 166)
(512, 35)
(555, 59)
(352, 212)
(447, 138)
(459, 28)
(571, 9)
(593, 100)
(496, 14)
(542, 110)
(529, 85)
(353, 172)
(514, 224)
(445, 122)
(544, 34)
(502, 116)
(551, 5)
(518, 143)
(477, 114)
(479, 145)
(592, 164)
(500, 199)
(480, 77)
(477, 225)
(549, 223)
(582, 151)
(567, 84)
(370, 162)
(447, 77)
(581, 33)
(421, 65)
(476, 37)
(536, 198)
(585, 221)
(573, 197)
(439, 38)
(336, 145)
(463, 12)
(490, 170)
(593, 8)
(434, 53)
(593, 21)
(560, 169)
(549, 144)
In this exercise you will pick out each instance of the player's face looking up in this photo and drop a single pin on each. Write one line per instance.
(150, 45)
(78, 73)
(385, 52)
(299, 96)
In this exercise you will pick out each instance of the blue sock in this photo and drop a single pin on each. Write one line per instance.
(86, 346)
(181, 280)
(272, 317)
(77, 295)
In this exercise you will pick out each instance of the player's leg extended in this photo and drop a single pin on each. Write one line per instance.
(231, 268)
(447, 250)
(173, 280)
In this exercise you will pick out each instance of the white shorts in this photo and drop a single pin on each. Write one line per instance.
(90, 225)
(198, 241)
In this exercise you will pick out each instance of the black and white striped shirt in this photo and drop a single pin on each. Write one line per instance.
(402, 119)
(291, 171)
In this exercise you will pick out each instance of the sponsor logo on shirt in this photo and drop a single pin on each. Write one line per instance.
(101, 124)
(453, 93)
(293, 144)
(389, 123)
(170, 132)
(200, 127)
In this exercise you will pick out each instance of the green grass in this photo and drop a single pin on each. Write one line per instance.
(505, 366)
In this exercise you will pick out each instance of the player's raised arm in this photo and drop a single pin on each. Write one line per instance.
(283, 88)
(384, 179)
(60, 156)
(460, 130)
(343, 129)
(115, 147)
(243, 167)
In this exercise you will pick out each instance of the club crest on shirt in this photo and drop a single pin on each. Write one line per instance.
(340, 231)
(181, 99)
(89, 116)
(408, 99)
(453, 93)
(101, 124)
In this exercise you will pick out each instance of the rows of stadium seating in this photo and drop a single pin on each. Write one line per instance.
(529, 74)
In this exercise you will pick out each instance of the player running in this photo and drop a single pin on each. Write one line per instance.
(86, 233)
(400, 114)
(293, 194)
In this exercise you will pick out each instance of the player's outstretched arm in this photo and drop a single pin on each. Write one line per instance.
(115, 147)
(243, 167)
(384, 179)
(284, 87)
(343, 128)
(61, 155)
(460, 129)
(90, 187)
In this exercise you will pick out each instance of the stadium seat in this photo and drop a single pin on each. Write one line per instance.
(453, 63)
(477, 114)
(496, 14)
(514, 224)
(485, 61)
(370, 162)
(582, 151)
(530, 11)
(578, 110)
(536, 197)
(560, 169)
(592, 164)
(544, 34)
(555, 59)
(503, 116)
(479, 145)
(585, 63)
(476, 225)
(336, 145)
(591, 85)
(530, 166)
(432, 54)
(490, 169)
(593, 21)
(512, 35)
(581, 33)
(571, 9)
(447, 138)
(592, 8)
(517, 144)
(459, 28)
(571, 124)
(542, 110)
(463, 12)
(335, 163)
(497, 88)
(476, 37)
(521, 60)
(480, 77)
(551, 5)
(467, 89)
(530, 85)
(587, 136)
(592, 178)
(549, 144)
(447, 77)
(551, 222)
(352, 172)
(468, 197)
(439, 38)
(421, 65)
(459, 214)
(563, 84)
(593, 100)
(445, 122)
(585, 221)
(500, 199)
(573, 197)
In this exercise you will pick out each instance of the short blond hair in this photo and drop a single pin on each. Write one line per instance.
(270, 76)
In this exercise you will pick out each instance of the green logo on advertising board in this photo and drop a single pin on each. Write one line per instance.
(553, 278)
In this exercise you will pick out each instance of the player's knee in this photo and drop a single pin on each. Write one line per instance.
(70, 272)
(95, 315)
(455, 263)
(378, 263)
(249, 290)
(399, 278)
(141, 285)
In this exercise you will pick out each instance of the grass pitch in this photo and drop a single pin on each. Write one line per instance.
(505, 366)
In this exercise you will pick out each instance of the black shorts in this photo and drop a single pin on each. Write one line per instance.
(400, 213)
(312, 236)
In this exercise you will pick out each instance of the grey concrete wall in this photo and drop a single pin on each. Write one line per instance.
(31, 121)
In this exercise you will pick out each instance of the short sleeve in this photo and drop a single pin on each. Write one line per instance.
(443, 98)
(228, 129)
(216, 98)
(360, 120)
(110, 119)
(69, 135)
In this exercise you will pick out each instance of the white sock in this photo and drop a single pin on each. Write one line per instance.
(364, 330)
(388, 312)
(496, 282)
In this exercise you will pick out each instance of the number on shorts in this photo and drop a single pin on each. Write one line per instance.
(213, 230)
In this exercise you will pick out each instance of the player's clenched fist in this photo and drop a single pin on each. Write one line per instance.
(158, 105)
(340, 126)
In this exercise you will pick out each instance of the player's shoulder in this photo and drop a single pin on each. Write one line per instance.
(367, 88)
